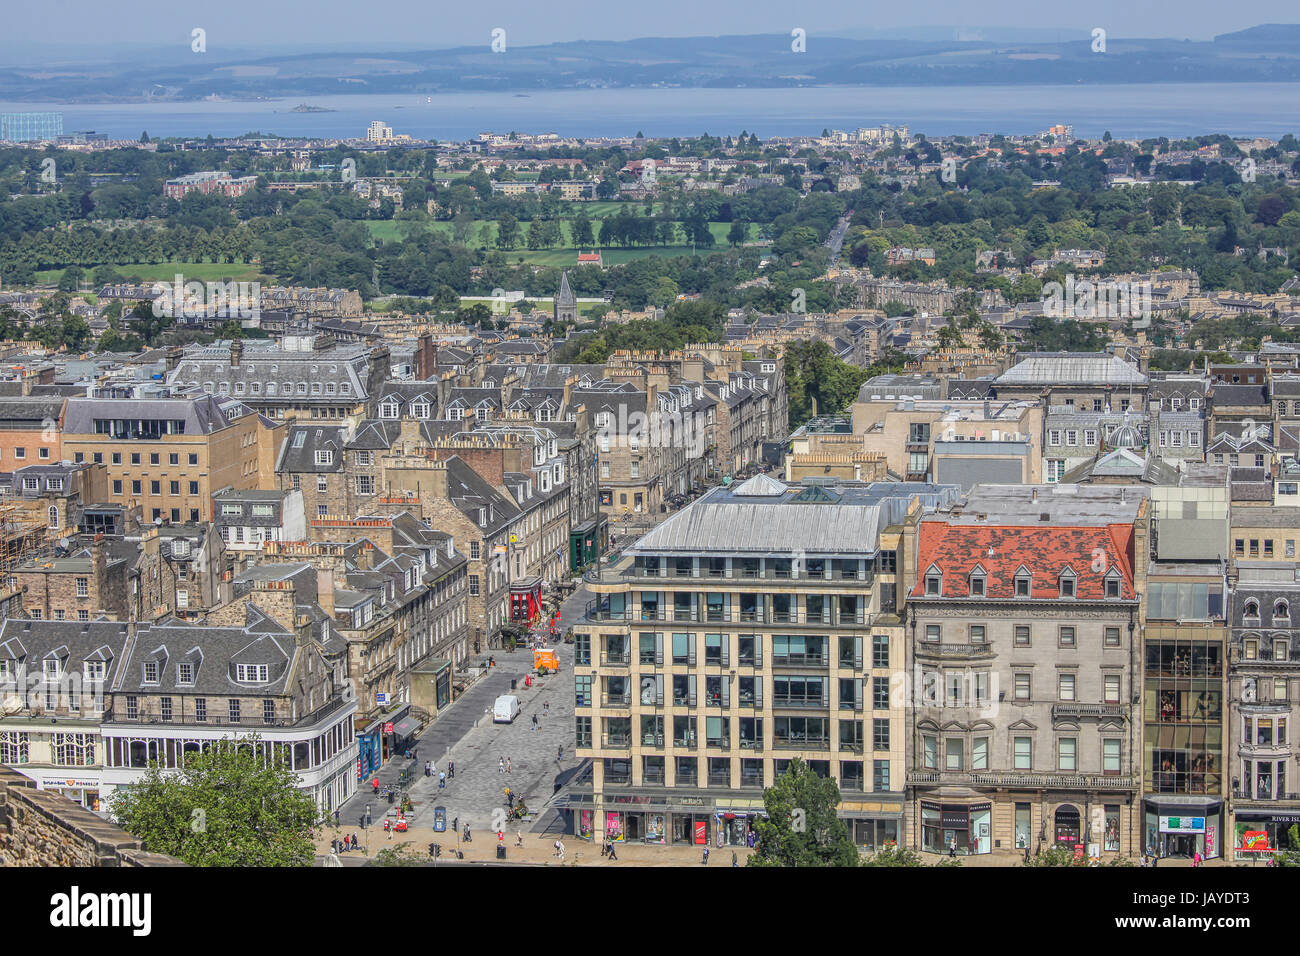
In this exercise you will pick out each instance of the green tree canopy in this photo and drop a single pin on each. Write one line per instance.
(228, 806)
(801, 828)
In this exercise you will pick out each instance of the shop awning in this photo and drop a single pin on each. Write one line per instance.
(405, 727)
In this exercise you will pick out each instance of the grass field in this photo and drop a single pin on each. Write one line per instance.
(566, 255)
(166, 272)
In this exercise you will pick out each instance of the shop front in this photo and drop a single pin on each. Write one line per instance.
(80, 788)
(526, 600)
(967, 826)
(735, 824)
(1258, 834)
(379, 738)
(874, 826)
(1183, 828)
(587, 542)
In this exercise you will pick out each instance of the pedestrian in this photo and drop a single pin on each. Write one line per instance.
(336, 818)
(546, 709)
(534, 723)
(509, 766)
(705, 861)
(952, 849)
(559, 847)
(374, 784)
(442, 780)
(735, 861)
(1196, 858)
(519, 838)
(501, 836)
(612, 855)
(501, 765)
(426, 768)
(354, 841)
(451, 769)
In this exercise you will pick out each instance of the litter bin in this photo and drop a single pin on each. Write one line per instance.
(514, 684)
(501, 852)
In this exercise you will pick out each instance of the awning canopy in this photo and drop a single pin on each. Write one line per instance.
(405, 727)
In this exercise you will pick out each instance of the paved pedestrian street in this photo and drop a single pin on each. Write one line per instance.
(465, 734)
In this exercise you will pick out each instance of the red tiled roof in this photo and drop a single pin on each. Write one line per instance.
(1046, 551)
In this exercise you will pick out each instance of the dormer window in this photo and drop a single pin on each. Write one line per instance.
(1112, 585)
(1281, 611)
(977, 581)
(185, 673)
(1024, 583)
(388, 410)
(933, 582)
(324, 457)
(419, 409)
(1067, 583)
(1252, 609)
(252, 673)
(151, 672)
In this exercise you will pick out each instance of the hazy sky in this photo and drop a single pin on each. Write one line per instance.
(421, 24)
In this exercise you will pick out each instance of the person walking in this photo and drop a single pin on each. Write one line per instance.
(442, 780)
(451, 769)
(559, 849)
(705, 861)
(546, 708)
(426, 768)
(534, 723)
(519, 838)
(501, 765)
(509, 766)
(559, 752)
(613, 856)
(952, 849)
(1196, 858)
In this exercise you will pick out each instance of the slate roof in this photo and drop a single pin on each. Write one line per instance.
(300, 455)
(1071, 368)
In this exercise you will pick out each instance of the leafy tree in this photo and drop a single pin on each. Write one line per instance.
(404, 854)
(801, 828)
(894, 856)
(228, 806)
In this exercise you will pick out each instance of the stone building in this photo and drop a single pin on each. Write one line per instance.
(1023, 625)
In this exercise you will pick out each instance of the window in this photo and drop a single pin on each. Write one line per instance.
(1112, 587)
(930, 749)
(1023, 686)
(151, 672)
(1065, 687)
(268, 711)
(1024, 585)
(73, 750)
(1110, 755)
(933, 584)
(233, 710)
(1067, 753)
(977, 633)
(1023, 753)
(1022, 635)
(185, 673)
(251, 673)
(1067, 637)
(1111, 683)
(977, 585)
(324, 457)
(933, 632)
(879, 650)
(952, 753)
(880, 733)
(979, 754)
(1067, 585)
(473, 585)
(200, 709)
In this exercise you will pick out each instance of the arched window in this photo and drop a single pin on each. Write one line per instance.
(1252, 609)
(54, 516)
(1280, 610)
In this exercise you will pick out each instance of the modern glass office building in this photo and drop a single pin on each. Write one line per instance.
(30, 127)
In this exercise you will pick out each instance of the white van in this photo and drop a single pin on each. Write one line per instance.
(506, 709)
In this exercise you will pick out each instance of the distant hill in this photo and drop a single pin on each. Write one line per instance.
(729, 61)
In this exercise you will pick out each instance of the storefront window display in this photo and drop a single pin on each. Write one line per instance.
(968, 828)
(1111, 840)
(614, 826)
(585, 820)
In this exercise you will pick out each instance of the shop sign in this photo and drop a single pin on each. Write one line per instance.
(1254, 841)
(1182, 824)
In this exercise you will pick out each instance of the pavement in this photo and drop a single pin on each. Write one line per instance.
(465, 735)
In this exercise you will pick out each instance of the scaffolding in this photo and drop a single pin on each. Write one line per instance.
(23, 537)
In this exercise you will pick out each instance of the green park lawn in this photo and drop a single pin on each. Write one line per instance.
(166, 272)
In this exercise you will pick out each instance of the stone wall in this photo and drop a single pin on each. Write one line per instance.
(44, 828)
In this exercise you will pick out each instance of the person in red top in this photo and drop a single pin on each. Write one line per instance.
(375, 784)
